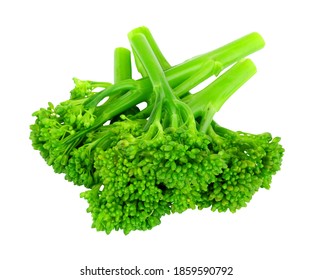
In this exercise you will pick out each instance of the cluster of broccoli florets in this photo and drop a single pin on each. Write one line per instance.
(141, 164)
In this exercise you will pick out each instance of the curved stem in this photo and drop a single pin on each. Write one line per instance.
(215, 137)
(206, 119)
(116, 89)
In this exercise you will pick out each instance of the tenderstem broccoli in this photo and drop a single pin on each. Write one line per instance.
(139, 164)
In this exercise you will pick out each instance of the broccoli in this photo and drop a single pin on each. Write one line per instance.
(139, 165)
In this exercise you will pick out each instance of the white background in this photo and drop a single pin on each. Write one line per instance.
(45, 231)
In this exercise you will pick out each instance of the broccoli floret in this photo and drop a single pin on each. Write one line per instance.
(251, 161)
(56, 123)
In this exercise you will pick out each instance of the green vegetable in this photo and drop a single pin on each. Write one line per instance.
(141, 164)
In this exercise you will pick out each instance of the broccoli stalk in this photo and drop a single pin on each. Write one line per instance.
(208, 101)
(175, 112)
(122, 65)
(157, 52)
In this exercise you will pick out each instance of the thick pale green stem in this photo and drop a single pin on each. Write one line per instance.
(148, 59)
(208, 101)
(208, 69)
(122, 65)
(156, 50)
(225, 55)
(236, 50)
(155, 72)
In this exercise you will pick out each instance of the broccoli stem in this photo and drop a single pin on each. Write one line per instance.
(208, 69)
(174, 113)
(151, 41)
(164, 98)
(114, 90)
(225, 55)
(208, 101)
(154, 70)
(236, 50)
(122, 65)
(122, 75)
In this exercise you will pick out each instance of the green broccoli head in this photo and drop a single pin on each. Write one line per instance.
(251, 162)
(139, 165)
(148, 178)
